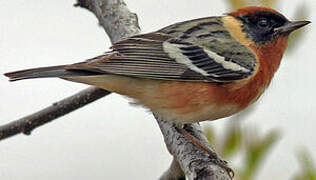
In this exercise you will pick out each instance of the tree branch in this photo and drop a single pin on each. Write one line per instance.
(28, 123)
(120, 23)
(114, 16)
(195, 162)
(174, 172)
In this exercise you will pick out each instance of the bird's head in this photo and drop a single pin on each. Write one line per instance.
(262, 24)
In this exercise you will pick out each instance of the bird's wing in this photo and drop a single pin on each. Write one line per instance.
(160, 55)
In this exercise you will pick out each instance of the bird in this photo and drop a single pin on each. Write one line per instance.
(192, 71)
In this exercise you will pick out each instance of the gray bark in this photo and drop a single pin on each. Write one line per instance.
(195, 162)
(28, 123)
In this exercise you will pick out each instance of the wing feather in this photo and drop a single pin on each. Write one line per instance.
(161, 55)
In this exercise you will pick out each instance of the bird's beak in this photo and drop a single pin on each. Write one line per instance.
(291, 26)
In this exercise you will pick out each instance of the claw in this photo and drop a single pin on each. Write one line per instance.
(213, 156)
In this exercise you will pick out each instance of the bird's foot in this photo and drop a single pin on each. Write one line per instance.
(213, 156)
(221, 163)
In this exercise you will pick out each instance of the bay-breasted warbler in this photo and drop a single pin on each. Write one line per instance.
(191, 71)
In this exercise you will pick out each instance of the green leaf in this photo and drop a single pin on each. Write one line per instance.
(307, 166)
(232, 141)
(210, 134)
(236, 4)
(269, 3)
(256, 151)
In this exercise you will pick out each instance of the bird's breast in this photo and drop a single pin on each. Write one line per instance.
(188, 102)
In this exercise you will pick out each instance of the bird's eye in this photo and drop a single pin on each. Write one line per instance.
(263, 23)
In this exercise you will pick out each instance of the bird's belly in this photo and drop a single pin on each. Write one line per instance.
(189, 103)
(182, 102)
(211, 112)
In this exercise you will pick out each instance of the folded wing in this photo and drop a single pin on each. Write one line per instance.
(159, 56)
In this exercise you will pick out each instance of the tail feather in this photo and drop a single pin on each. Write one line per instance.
(45, 72)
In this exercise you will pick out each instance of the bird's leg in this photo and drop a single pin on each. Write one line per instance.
(194, 140)
(213, 156)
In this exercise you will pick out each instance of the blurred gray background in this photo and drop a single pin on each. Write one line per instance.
(110, 139)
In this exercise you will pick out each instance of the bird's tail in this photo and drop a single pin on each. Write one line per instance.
(44, 72)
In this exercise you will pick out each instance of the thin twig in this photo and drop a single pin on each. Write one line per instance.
(28, 123)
